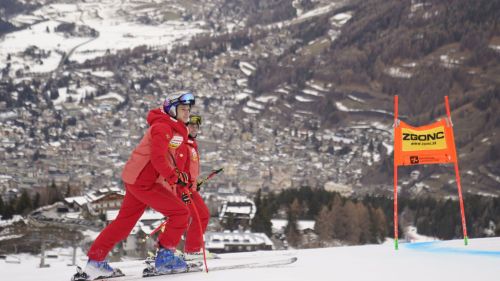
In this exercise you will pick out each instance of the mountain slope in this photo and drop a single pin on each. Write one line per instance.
(419, 50)
(425, 50)
(280, 89)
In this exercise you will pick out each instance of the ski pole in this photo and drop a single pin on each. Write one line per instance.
(198, 184)
(211, 175)
(161, 226)
(201, 230)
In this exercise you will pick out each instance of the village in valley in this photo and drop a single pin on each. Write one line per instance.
(87, 116)
(77, 108)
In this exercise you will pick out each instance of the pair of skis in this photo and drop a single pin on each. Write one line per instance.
(150, 270)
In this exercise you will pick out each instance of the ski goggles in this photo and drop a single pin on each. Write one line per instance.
(187, 98)
(195, 119)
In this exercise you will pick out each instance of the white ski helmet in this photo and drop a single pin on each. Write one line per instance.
(172, 101)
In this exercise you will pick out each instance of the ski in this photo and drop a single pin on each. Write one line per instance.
(188, 258)
(267, 255)
(271, 263)
(199, 267)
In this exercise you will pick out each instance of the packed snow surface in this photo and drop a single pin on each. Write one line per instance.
(433, 260)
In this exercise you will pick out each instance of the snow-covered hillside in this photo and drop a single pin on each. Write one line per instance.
(436, 260)
(116, 25)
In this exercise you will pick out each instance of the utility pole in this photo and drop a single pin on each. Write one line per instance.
(42, 256)
(73, 260)
(74, 245)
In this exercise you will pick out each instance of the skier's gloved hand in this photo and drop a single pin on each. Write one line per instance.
(186, 196)
(182, 178)
(198, 185)
(178, 177)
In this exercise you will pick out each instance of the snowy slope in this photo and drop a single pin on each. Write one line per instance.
(114, 20)
(437, 260)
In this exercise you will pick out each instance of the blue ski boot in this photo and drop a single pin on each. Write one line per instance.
(166, 262)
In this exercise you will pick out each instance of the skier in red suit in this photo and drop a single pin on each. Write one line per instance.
(152, 178)
(194, 238)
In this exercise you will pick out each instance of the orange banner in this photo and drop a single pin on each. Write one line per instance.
(430, 144)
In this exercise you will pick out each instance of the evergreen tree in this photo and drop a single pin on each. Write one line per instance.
(292, 230)
(2, 206)
(262, 219)
(23, 205)
(36, 201)
(68, 190)
(371, 146)
(36, 155)
(54, 195)
(8, 211)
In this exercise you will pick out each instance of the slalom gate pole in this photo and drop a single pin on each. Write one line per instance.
(395, 207)
(457, 175)
(395, 178)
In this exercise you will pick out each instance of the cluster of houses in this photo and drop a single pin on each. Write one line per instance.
(107, 201)
(97, 115)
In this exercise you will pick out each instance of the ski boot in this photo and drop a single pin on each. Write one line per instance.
(166, 262)
(96, 270)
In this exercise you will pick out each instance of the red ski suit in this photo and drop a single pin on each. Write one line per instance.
(149, 176)
(194, 234)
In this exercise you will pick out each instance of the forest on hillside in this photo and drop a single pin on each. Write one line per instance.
(369, 220)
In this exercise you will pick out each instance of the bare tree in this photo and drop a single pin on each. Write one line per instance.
(324, 224)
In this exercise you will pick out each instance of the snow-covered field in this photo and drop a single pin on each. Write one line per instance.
(435, 260)
(116, 22)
